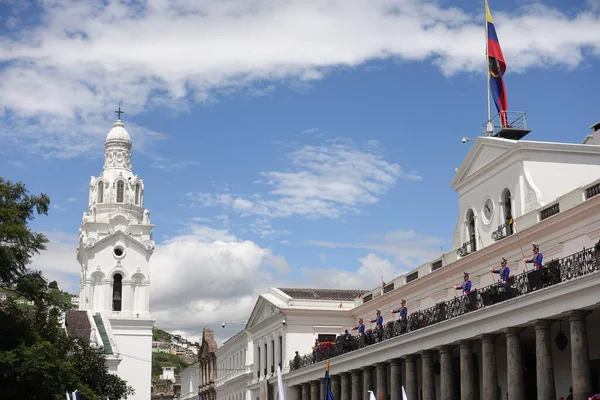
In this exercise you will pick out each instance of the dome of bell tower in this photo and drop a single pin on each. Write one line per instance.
(118, 133)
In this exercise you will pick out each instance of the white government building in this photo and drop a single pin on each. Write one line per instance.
(115, 246)
(535, 340)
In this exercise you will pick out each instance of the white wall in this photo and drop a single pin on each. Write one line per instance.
(190, 379)
(135, 348)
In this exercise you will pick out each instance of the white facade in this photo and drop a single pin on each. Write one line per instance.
(538, 176)
(168, 374)
(282, 324)
(190, 380)
(115, 246)
(234, 367)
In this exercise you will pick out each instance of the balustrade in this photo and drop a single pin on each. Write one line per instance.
(554, 272)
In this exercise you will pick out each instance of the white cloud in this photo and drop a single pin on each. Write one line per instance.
(323, 181)
(71, 199)
(86, 57)
(202, 277)
(408, 248)
(59, 261)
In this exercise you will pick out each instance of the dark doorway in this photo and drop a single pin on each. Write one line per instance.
(117, 292)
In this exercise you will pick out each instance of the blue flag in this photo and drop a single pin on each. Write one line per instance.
(328, 395)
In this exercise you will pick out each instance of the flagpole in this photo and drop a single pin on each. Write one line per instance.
(487, 70)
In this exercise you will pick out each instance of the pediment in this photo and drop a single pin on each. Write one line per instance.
(484, 152)
(109, 236)
(263, 310)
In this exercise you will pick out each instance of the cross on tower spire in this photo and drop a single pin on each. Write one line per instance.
(119, 112)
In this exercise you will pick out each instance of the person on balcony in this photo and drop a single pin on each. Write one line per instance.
(360, 327)
(403, 315)
(504, 271)
(537, 257)
(361, 332)
(379, 321)
(465, 286)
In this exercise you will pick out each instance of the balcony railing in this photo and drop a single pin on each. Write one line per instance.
(502, 231)
(467, 248)
(553, 273)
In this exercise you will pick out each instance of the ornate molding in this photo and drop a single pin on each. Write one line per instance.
(268, 310)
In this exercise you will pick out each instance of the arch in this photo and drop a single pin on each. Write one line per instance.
(100, 191)
(117, 270)
(471, 229)
(506, 202)
(120, 191)
(117, 292)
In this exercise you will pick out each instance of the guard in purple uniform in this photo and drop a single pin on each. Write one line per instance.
(403, 315)
(537, 257)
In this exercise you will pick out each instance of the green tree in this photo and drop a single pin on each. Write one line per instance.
(53, 285)
(37, 358)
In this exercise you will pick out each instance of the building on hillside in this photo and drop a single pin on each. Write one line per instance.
(234, 367)
(168, 373)
(533, 335)
(190, 381)
(75, 301)
(286, 320)
(207, 363)
(115, 246)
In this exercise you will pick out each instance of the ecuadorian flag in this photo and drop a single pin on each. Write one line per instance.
(496, 66)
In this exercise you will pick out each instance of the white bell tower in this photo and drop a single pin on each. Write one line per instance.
(115, 246)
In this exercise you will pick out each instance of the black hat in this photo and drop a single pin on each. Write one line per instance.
(466, 274)
(503, 261)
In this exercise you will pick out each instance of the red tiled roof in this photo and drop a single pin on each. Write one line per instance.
(77, 324)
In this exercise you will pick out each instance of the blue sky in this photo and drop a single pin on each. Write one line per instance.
(278, 142)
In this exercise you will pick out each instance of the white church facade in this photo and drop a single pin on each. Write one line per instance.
(114, 251)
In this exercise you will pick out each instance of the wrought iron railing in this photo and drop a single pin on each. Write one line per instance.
(553, 273)
(549, 211)
(507, 119)
(502, 231)
(467, 248)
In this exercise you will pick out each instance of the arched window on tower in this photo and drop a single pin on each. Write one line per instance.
(507, 209)
(137, 194)
(100, 192)
(471, 230)
(117, 292)
(120, 191)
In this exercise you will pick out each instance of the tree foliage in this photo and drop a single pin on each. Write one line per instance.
(37, 358)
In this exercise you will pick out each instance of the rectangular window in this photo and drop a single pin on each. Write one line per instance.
(388, 288)
(436, 265)
(412, 277)
(281, 351)
(549, 211)
(272, 356)
(368, 297)
(120, 191)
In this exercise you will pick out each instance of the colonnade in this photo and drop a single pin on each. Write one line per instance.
(355, 384)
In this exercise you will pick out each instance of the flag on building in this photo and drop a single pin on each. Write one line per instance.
(496, 67)
(341, 305)
(328, 395)
(404, 394)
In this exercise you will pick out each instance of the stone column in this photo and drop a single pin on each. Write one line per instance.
(543, 356)
(346, 386)
(514, 365)
(356, 384)
(427, 375)
(381, 380)
(297, 390)
(490, 368)
(336, 387)
(412, 387)
(368, 381)
(314, 390)
(580, 356)
(467, 380)
(396, 379)
(446, 377)
(322, 392)
(306, 391)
